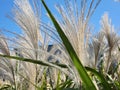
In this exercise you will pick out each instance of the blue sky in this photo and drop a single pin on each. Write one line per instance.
(113, 9)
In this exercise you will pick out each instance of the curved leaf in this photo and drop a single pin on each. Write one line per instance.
(35, 61)
(100, 77)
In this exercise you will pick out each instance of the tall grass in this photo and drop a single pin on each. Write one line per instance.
(73, 62)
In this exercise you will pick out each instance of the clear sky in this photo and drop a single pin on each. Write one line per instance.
(113, 9)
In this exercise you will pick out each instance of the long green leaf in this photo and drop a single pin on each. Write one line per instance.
(82, 72)
(35, 61)
(100, 77)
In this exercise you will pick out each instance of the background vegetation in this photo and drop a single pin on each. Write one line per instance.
(65, 56)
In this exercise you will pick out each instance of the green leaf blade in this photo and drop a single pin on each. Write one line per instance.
(100, 77)
(82, 72)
